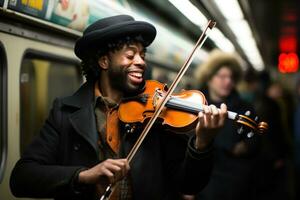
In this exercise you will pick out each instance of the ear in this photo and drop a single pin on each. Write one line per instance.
(103, 62)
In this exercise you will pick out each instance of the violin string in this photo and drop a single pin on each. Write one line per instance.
(193, 107)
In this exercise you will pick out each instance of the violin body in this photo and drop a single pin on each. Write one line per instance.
(176, 119)
(180, 113)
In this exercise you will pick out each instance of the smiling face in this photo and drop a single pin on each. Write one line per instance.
(126, 67)
(222, 83)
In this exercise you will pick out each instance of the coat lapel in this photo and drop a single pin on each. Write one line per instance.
(83, 120)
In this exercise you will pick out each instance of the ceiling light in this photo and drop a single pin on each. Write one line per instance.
(240, 28)
(221, 41)
(195, 16)
(251, 51)
(233, 14)
(230, 9)
(190, 11)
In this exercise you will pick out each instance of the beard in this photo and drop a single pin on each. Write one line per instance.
(118, 77)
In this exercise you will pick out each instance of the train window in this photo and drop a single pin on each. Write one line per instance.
(42, 79)
(3, 111)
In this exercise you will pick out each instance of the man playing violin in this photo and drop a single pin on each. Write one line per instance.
(82, 145)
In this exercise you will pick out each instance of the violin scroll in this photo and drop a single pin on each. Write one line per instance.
(251, 126)
(262, 127)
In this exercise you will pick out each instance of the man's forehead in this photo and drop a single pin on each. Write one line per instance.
(135, 45)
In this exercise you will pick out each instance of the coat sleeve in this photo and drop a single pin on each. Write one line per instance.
(188, 169)
(37, 174)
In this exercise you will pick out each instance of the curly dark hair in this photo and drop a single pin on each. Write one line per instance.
(89, 63)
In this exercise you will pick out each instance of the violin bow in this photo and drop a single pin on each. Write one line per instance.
(210, 25)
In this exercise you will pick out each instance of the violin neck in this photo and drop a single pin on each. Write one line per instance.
(195, 108)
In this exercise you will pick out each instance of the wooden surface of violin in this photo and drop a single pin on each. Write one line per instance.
(180, 113)
(174, 116)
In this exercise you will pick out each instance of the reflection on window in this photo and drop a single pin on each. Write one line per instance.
(41, 81)
(3, 112)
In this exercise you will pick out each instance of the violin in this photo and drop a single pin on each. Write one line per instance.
(181, 110)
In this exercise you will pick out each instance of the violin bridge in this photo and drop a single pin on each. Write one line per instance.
(156, 96)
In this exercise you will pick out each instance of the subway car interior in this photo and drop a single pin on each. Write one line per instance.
(38, 65)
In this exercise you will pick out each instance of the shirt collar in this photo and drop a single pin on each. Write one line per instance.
(100, 99)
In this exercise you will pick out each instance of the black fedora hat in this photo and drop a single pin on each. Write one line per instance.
(110, 28)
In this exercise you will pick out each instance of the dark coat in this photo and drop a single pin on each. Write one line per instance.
(165, 165)
(232, 176)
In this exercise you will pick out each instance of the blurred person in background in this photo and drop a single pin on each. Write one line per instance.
(271, 175)
(297, 136)
(284, 98)
(235, 155)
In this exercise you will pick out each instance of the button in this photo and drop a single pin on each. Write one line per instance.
(76, 147)
(110, 138)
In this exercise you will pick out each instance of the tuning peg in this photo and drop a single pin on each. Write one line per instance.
(127, 128)
(240, 130)
(247, 113)
(250, 134)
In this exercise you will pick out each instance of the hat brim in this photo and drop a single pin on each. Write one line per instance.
(97, 38)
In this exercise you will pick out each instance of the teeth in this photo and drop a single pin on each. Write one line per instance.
(136, 74)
